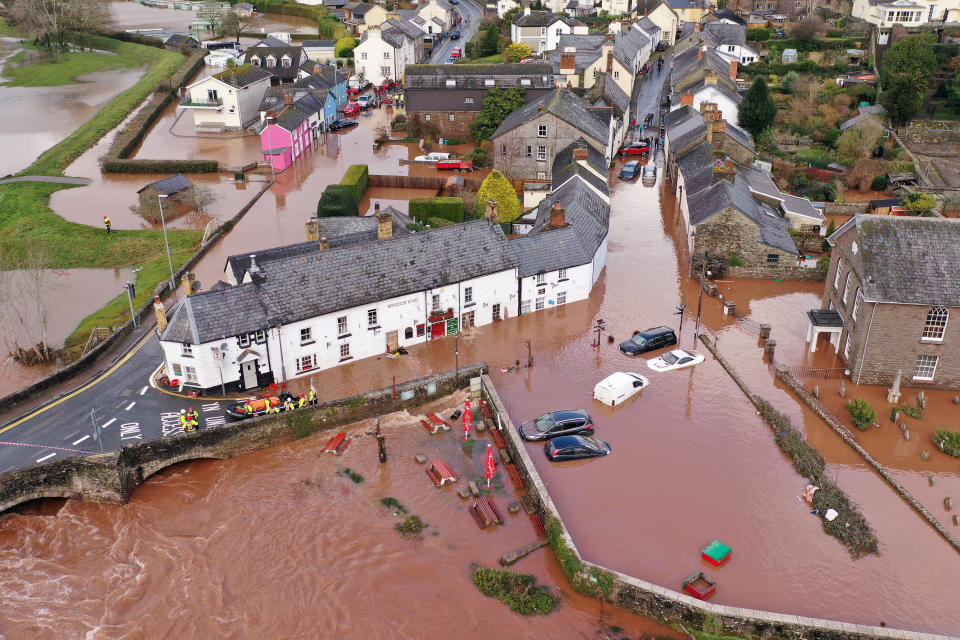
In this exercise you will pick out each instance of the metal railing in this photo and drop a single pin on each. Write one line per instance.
(187, 101)
(98, 335)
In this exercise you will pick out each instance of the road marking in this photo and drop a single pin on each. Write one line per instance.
(170, 423)
(130, 406)
(215, 421)
(213, 406)
(144, 390)
(108, 423)
(71, 434)
(47, 457)
(103, 377)
(76, 442)
(130, 431)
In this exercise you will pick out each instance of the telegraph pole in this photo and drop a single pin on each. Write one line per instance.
(703, 274)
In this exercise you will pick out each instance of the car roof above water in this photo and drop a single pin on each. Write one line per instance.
(569, 414)
(567, 441)
(655, 331)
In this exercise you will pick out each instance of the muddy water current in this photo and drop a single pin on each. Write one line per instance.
(281, 543)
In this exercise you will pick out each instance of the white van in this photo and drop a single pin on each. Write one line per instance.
(618, 387)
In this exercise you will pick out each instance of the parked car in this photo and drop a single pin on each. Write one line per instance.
(676, 359)
(351, 109)
(451, 60)
(618, 387)
(635, 149)
(365, 101)
(238, 410)
(648, 340)
(455, 34)
(557, 423)
(575, 448)
(649, 177)
(629, 170)
(456, 53)
(433, 157)
(662, 46)
(337, 125)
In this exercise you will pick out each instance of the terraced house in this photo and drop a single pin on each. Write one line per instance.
(891, 300)
(541, 30)
(229, 100)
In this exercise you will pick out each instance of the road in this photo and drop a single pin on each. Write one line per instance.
(471, 15)
(127, 409)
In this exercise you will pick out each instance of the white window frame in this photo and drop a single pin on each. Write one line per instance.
(344, 350)
(363, 55)
(186, 350)
(561, 297)
(245, 340)
(539, 303)
(524, 306)
(562, 274)
(342, 326)
(306, 335)
(435, 302)
(857, 299)
(540, 279)
(836, 276)
(372, 318)
(846, 288)
(468, 295)
(541, 152)
(541, 131)
(190, 374)
(307, 362)
(543, 31)
(933, 328)
(926, 363)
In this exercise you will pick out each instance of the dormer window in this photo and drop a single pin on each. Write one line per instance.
(451, 83)
(525, 82)
(285, 61)
(255, 60)
(271, 61)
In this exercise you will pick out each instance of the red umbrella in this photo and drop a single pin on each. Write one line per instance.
(467, 420)
(491, 465)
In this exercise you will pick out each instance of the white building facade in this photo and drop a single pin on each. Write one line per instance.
(229, 100)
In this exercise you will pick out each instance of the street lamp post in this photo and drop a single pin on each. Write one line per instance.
(131, 292)
(163, 222)
(679, 312)
(456, 354)
(703, 275)
(599, 327)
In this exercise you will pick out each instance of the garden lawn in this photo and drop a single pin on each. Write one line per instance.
(38, 67)
(6, 31)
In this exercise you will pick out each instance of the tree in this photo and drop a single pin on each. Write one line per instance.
(496, 187)
(201, 197)
(807, 30)
(337, 200)
(212, 14)
(517, 51)
(858, 143)
(757, 110)
(234, 25)
(344, 47)
(50, 22)
(920, 203)
(902, 98)
(497, 105)
(788, 83)
(953, 91)
(489, 41)
(905, 75)
(758, 34)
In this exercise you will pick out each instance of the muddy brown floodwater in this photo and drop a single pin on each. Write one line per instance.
(281, 544)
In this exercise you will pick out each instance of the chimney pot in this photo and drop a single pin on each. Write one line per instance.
(324, 243)
(491, 212)
(733, 70)
(696, 27)
(288, 99)
(558, 216)
(580, 154)
(317, 69)
(313, 230)
(700, 53)
(189, 283)
(161, 312)
(686, 99)
(384, 226)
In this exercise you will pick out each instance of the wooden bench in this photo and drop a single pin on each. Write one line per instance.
(334, 443)
(538, 525)
(498, 439)
(486, 409)
(515, 476)
(485, 513)
(441, 473)
(434, 423)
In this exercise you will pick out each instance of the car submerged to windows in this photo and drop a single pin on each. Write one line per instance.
(619, 387)
(676, 359)
(557, 423)
(649, 177)
(648, 340)
(575, 448)
(337, 125)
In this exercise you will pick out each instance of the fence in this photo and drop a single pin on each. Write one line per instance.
(435, 183)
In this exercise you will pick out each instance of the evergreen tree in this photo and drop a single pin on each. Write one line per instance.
(758, 109)
(905, 76)
(497, 105)
(490, 41)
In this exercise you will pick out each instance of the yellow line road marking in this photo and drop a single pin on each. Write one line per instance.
(100, 378)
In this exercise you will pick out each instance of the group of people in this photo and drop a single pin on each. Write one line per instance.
(189, 419)
(289, 403)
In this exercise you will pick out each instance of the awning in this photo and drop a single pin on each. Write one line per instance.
(247, 355)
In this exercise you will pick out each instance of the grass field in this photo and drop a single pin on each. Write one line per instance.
(26, 220)
(37, 67)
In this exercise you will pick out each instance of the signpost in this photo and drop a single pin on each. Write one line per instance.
(218, 356)
(96, 428)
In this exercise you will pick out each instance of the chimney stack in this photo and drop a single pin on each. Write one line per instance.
(491, 212)
(558, 216)
(568, 59)
(384, 226)
(376, 208)
(317, 69)
(686, 99)
(700, 53)
(324, 243)
(313, 230)
(733, 70)
(189, 281)
(696, 28)
(526, 11)
(580, 154)
(161, 312)
(253, 261)
(288, 99)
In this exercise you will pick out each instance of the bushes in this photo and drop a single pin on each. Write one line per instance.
(445, 208)
(758, 34)
(356, 177)
(948, 441)
(435, 223)
(344, 47)
(879, 183)
(337, 200)
(519, 591)
(161, 166)
(497, 187)
(480, 157)
(862, 413)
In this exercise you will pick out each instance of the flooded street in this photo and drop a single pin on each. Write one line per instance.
(280, 543)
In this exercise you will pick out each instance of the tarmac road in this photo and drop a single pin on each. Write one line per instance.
(471, 15)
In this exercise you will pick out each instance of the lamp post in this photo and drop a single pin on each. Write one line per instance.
(703, 275)
(599, 327)
(456, 354)
(131, 293)
(679, 312)
(163, 222)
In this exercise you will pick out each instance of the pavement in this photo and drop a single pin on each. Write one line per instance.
(471, 15)
(55, 179)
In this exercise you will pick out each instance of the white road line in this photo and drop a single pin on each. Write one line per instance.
(144, 390)
(46, 457)
(76, 442)
(108, 423)
(130, 406)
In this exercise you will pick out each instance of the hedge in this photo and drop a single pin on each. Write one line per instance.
(356, 178)
(439, 222)
(423, 209)
(497, 186)
(337, 200)
(160, 166)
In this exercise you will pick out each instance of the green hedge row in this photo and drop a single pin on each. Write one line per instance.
(160, 166)
(422, 209)
(337, 200)
(356, 178)
(438, 222)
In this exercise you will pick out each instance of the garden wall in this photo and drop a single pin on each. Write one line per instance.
(112, 479)
(846, 209)
(653, 601)
(777, 273)
(933, 132)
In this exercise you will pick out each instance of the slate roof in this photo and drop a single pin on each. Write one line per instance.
(605, 87)
(411, 30)
(648, 25)
(586, 211)
(696, 165)
(291, 118)
(679, 114)
(549, 251)
(563, 105)
(271, 41)
(708, 202)
(860, 118)
(278, 71)
(169, 186)
(696, 87)
(360, 9)
(406, 14)
(243, 75)
(727, 14)
(178, 39)
(726, 33)
(627, 45)
(561, 176)
(543, 19)
(739, 135)
(909, 260)
(582, 60)
(584, 42)
(564, 158)
(686, 131)
(474, 76)
(710, 60)
(213, 315)
(319, 44)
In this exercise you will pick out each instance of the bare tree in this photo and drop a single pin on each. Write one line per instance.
(808, 29)
(201, 197)
(25, 294)
(50, 22)
(510, 155)
(38, 279)
(233, 24)
(147, 209)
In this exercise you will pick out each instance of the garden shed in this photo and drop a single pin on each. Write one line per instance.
(789, 56)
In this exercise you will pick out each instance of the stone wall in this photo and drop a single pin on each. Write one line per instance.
(459, 127)
(112, 478)
(846, 208)
(778, 272)
(729, 231)
(667, 606)
(933, 132)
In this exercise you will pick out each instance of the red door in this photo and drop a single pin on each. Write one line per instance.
(438, 329)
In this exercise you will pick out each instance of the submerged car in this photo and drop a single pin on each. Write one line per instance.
(648, 340)
(351, 109)
(649, 177)
(436, 156)
(618, 387)
(337, 125)
(575, 448)
(365, 101)
(676, 359)
(258, 406)
(557, 423)
(629, 170)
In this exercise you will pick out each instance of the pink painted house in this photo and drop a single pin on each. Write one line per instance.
(289, 134)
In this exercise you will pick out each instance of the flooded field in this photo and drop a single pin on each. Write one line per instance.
(281, 543)
(133, 15)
